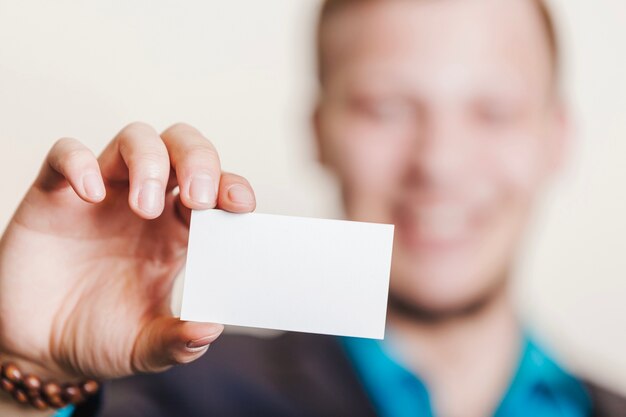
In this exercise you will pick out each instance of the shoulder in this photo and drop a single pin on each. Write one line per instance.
(606, 403)
(244, 375)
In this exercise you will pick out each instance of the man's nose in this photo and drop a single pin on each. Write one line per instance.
(440, 153)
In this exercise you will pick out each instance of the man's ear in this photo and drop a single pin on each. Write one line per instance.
(316, 124)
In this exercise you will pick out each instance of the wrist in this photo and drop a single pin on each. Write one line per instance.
(29, 389)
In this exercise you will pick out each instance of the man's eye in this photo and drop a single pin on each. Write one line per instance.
(383, 110)
(494, 114)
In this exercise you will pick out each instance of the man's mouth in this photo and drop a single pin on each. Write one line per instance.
(433, 228)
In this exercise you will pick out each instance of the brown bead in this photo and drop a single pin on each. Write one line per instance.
(33, 393)
(30, 389)
(12, 373)
(38, 403)
(31, 382)
(72, 393)
(56, 401)
(7, 385)
(51, 389)
(20, 396)
(90, 387)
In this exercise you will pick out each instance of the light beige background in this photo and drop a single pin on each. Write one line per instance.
(241, 71)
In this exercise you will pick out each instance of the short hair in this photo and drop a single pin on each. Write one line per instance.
(331, 7)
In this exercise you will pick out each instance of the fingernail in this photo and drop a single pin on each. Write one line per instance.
(93, 186)
(200, 343)
(202, 189)
(151, 196)
(240, 194)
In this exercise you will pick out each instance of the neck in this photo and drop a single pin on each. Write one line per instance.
(467, 360)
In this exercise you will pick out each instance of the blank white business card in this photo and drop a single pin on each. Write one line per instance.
(288, 273)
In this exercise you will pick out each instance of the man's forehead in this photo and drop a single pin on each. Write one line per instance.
(460, 30)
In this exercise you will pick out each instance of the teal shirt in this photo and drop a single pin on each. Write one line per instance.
(65, 412)
(540, 387)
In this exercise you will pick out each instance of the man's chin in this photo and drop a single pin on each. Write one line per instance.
(431, 307)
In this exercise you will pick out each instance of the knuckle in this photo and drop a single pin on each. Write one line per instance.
(153, 163)
(139, 364)
(151, 156)
(141, 154)
(201, 154)
(74, 159)
(63, 143)
(180, 127)
(133, 131)
(137, 127)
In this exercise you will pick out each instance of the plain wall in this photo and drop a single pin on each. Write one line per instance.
(242, 72)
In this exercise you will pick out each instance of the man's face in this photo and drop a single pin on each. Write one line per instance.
(439, 117)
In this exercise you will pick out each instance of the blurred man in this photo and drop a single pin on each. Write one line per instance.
(441, 117)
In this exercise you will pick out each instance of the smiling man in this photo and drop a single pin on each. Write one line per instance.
(442, 117)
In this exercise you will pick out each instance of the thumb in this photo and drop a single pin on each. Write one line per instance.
(167, 341)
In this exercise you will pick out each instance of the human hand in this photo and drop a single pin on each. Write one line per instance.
(88, 261)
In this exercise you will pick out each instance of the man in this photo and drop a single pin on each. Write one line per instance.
(442, 117)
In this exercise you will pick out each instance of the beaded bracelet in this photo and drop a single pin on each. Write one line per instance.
(29, 389)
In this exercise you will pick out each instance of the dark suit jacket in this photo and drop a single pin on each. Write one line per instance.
(291, 375)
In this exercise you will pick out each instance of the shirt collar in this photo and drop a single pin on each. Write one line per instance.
(540, 386)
